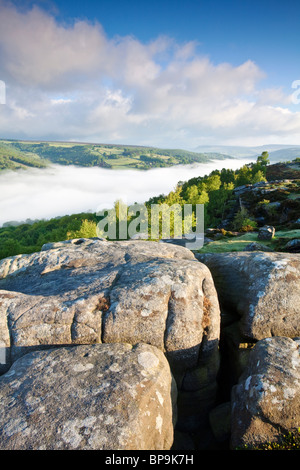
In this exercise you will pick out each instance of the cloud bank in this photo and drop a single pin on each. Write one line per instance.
(59, 190)
(72, 82)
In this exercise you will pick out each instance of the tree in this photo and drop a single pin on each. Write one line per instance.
(244, 176)
(258, 176)
(213, 183)
(263, 159)
(87, 230)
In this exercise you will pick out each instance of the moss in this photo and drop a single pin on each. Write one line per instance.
(289, 441)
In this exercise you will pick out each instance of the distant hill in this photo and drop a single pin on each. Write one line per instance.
(284, 155)
(277, 153)
(16, 154)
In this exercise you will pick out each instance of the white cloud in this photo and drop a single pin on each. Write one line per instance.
(71, 82)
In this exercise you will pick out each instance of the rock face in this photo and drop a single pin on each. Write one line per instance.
(259, 297)
(94, 335)
(263, 289)
(101, 396)
(90, 291)
(266, 401)
(266, 232)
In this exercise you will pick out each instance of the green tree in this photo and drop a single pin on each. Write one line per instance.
(263, 159)
(87, 230)
(258, 177)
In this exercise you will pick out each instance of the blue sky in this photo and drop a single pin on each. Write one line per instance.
(164, 73)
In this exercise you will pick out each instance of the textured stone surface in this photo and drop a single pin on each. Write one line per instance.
(263, 289)
(266, 401)
(104, 396)
(266, 232)
(93, 291)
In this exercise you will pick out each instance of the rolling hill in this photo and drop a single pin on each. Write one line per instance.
(22, 154)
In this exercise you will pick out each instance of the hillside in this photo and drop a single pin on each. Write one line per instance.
(275, 202)
(11, 158)
(21, 154)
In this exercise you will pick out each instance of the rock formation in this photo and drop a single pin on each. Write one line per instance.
(261, 289)
(92, 291)
(144, 345)
(87, 397)
(266, 400)
(259, 296)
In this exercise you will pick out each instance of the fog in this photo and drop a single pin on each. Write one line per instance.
(64, 190)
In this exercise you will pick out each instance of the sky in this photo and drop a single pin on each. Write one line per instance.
(171, 74)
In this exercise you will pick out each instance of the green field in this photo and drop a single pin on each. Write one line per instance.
(227, 244)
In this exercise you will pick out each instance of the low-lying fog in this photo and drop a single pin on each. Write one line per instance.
(63, 190)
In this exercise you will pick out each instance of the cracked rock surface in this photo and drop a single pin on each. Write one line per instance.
(88, 397)
(90, 291)
(266, 401)
(263, 289)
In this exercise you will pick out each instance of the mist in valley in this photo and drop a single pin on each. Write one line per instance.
(63, 190)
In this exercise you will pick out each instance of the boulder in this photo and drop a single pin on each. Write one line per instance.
(92, 291)
(266, 232)
(262, 289)
(293, 246)
(88, 397)
(265, 404)
(88, 291)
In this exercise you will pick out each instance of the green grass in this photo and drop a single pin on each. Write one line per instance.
(228, 244)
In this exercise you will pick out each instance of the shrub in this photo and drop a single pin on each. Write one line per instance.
(243, 223)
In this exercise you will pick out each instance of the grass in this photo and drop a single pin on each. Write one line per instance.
(228, 244)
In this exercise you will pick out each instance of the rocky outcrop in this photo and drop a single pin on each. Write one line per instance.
(88, 397)
(126, 320)
(266, 400)
(259, 295)
(90, 291)
(261, 289)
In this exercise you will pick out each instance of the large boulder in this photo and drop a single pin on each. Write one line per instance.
(261, 289)
(88, 397)
(93, 291)
(266, 401)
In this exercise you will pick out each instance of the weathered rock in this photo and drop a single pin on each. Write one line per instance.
(266, 232)
(263, 289)
(104, 396)
(257, 247)
(293, 246)
(92, 291)
(266, 401)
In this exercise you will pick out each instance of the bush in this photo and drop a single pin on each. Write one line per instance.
(242, 222)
